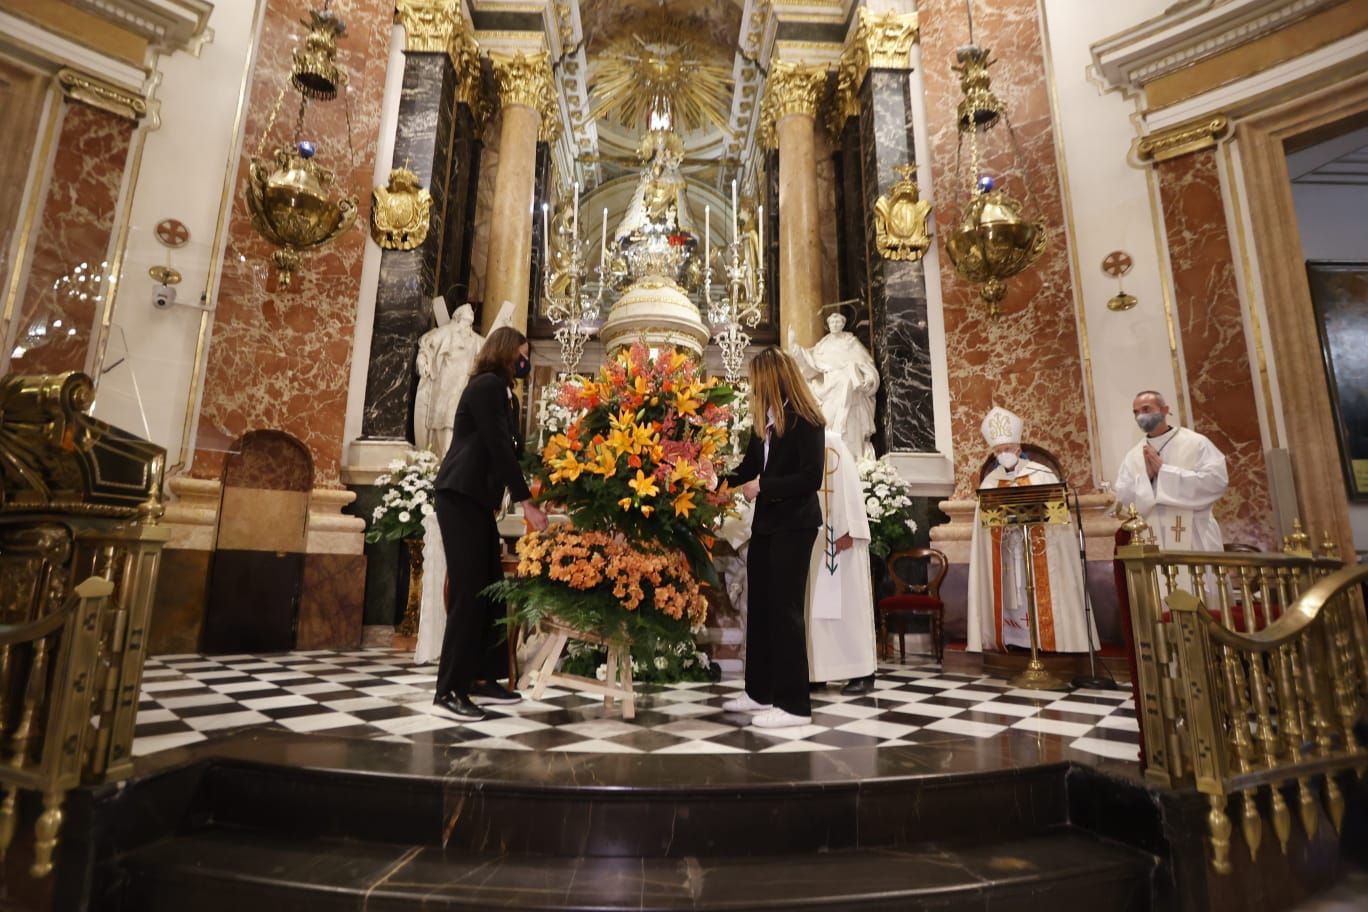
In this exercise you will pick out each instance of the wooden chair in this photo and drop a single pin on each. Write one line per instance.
(914, 599)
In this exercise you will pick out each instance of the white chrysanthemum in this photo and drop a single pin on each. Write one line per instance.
(379, 512)
(911, 525)
(601, 672)
(872, 507)
(660, 663)
(396, 465)
(427, 509)
(405, 516)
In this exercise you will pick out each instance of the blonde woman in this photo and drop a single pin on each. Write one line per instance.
(781, 474)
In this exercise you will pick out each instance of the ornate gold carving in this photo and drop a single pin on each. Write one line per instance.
(428, 24)
(527, 81)
(400, 212)
(792, 88)
(900, 218)
(1183, 139)
(97, 93)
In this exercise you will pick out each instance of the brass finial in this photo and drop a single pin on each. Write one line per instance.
(1298, 542)
(1134, 524)
(1328, 546)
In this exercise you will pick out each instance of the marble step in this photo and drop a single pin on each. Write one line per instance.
(230, 870)
(652, 818)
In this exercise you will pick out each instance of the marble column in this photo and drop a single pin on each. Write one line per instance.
(527, 99)
(791, 100)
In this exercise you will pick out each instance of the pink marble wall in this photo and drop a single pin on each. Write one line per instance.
(75, 227)
(1028, 359)
(1215, 354)
(280, 359)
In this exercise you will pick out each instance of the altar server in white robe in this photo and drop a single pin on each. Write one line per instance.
(1173, 476)
(840, 592)
(997, 564)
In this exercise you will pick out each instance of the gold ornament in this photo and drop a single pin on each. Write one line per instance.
(1185, 138)
(400, 212)
(428, 24)
(292, 207)
(656, 71)
(314, 72)
(993, 242)
(900, 219)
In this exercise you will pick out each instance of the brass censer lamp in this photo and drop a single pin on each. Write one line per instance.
(290, 195)
(992, 241)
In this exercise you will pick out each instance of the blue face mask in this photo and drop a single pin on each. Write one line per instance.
(522, 367)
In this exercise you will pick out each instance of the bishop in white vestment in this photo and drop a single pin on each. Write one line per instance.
(997, 564)
(840, 592)
(1174, 477)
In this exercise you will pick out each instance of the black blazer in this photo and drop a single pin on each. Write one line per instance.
(483, 457)
(790, 480)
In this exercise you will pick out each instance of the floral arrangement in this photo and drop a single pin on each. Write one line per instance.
(598, 581)
(634, 456)
(888, 503)
(666, 663)
(643, 453)
(406, 497)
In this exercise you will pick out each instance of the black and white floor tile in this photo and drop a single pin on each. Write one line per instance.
(381, 694)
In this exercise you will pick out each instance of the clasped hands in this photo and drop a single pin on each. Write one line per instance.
(1153, 461)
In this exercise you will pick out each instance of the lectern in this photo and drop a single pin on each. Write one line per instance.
(1028, 507)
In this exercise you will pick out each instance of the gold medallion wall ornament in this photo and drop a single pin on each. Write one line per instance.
(400, 212)
(900, 219)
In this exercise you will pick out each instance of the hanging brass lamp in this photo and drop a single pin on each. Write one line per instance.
(993, 240)
(290, 195)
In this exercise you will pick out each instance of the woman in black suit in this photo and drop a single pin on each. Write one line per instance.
(481, 462)
(781, 474)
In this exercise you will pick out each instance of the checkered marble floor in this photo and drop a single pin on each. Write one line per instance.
(380, 694)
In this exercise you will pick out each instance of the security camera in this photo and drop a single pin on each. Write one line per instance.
(163, 296)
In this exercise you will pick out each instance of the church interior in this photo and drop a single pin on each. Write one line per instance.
(1081, 290)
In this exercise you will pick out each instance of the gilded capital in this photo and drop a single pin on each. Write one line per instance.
(880, 41)
(526, 80)
(792, 88)
(428, 24)
(78, 86)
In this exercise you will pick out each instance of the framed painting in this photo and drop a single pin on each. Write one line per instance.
(1339, 292)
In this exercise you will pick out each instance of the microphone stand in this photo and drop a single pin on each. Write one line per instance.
(1090, 680)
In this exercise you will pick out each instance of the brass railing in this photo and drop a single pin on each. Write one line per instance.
(79, 553)
(1252, 670)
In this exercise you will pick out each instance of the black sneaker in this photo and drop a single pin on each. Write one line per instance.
(494, 692)
(858, 687)
(459, 706)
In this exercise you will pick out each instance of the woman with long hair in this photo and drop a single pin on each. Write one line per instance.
(480, 464)
(781, 473)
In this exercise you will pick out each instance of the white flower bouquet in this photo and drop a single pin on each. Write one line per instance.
(888, 503)
(405, 499)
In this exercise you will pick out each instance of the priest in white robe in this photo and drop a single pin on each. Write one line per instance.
(998, 595)
(1174, 477)
(840, 592)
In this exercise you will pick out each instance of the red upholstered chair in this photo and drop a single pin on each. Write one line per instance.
(914, 599)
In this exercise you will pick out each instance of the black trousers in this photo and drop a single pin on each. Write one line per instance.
(472, 648)
(776, 633)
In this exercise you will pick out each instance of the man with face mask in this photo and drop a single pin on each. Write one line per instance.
(1173, 476)
(997, 563)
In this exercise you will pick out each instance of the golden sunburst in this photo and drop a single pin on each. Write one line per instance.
(638, 75)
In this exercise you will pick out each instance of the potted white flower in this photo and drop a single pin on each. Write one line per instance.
(406, 498)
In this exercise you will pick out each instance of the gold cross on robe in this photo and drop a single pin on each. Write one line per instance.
(1178, 529)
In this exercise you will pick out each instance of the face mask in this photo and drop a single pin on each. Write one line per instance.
(1149, 420)
(1008, 460)
(522, 367)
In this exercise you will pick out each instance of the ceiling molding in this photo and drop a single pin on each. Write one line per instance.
(166, 25)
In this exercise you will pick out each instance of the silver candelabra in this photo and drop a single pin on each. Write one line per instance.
(574, 311)
(741, 307)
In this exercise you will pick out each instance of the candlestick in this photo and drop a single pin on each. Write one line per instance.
(546, 238)
(603, 241)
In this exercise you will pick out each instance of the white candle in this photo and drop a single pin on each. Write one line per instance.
(546, 237)
(733, 210)
(574, 221)
(707, 235)
(603, 240)
(760, 241)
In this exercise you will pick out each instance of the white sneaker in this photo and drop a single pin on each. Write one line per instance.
(778, 718)
(744, 704)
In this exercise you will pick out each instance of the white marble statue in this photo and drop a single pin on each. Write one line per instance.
(445, 356)
(844, 379)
